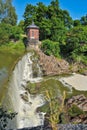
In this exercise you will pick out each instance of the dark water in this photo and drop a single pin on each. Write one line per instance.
(3, 75)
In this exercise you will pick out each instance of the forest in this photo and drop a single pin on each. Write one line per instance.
(61, 36)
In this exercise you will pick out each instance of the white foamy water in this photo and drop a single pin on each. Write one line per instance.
(25, 104)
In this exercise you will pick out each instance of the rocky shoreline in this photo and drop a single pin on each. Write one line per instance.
(60, 127)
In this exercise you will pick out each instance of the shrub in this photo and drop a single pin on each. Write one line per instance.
(74, 111)
(55, 109)
(50, 48)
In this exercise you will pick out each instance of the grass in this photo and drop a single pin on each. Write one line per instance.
(9, 56)
(10, 53)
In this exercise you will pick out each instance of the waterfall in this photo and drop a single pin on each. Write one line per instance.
(22, 102)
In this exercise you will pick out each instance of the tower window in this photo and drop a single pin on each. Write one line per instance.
(32, 33)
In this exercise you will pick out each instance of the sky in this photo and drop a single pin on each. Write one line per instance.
(76, 8)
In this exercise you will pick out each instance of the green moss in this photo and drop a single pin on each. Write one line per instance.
(76, 92)
(48, 84)
(75, 111)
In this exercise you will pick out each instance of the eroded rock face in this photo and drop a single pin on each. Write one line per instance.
(51, 65)
(79, 100)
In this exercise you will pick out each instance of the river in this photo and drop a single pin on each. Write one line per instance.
(24, 103)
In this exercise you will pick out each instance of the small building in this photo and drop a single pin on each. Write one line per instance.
(32, 34)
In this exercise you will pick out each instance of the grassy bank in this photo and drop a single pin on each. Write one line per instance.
(9, 55)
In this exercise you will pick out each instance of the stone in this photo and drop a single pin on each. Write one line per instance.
(51, 65)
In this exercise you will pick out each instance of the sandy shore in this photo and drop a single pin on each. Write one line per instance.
(77, 81)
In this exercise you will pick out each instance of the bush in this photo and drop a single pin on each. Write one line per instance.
(15, 33)
(50, 48)
(74, 111)
(4, 33)
(8, 32)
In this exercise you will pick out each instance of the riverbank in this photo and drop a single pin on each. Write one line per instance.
(61, 127)
(78, 81)
(9, 56)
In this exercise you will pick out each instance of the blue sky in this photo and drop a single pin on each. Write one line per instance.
(76, 8)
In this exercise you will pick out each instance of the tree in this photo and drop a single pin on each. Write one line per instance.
(29, 14)
(76, 44)
(77, 22)
(50, 48)
(15, 33)
(84, 20)
(68, 22)
(7, 12)
(53, 21)
(41, 12)
(53, 9)
(21, 25)
(9, 32)
(4, 33)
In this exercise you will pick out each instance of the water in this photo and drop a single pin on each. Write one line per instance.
(19, 98)
(3, 75)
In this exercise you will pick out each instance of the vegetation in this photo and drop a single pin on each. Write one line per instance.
(55, 109)
(5, 116)
(75, 111)
(61, 36)
(10, 53)
(57, 26)
(53, 21)
(9, 30)
(9, 33)
(7, 12)
(50, 48)
(55, 96)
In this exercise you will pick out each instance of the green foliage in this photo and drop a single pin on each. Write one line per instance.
(4, 33)
(50, 48)
(15, 33)
(55, 109)
(5, 116)
(77, 23)
(7, 12)
(76, 44)
(51, 19)
(29, 14)
(21, 25)
(56, 24)
(83, 20)
(8, 32)
(74, 111)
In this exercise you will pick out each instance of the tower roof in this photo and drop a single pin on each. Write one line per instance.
(32, 26)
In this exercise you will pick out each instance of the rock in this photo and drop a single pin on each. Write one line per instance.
(79, 100)
(80, 119)
(60, 127)
(51, 65)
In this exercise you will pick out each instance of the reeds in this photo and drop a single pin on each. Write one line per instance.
(55, 109)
